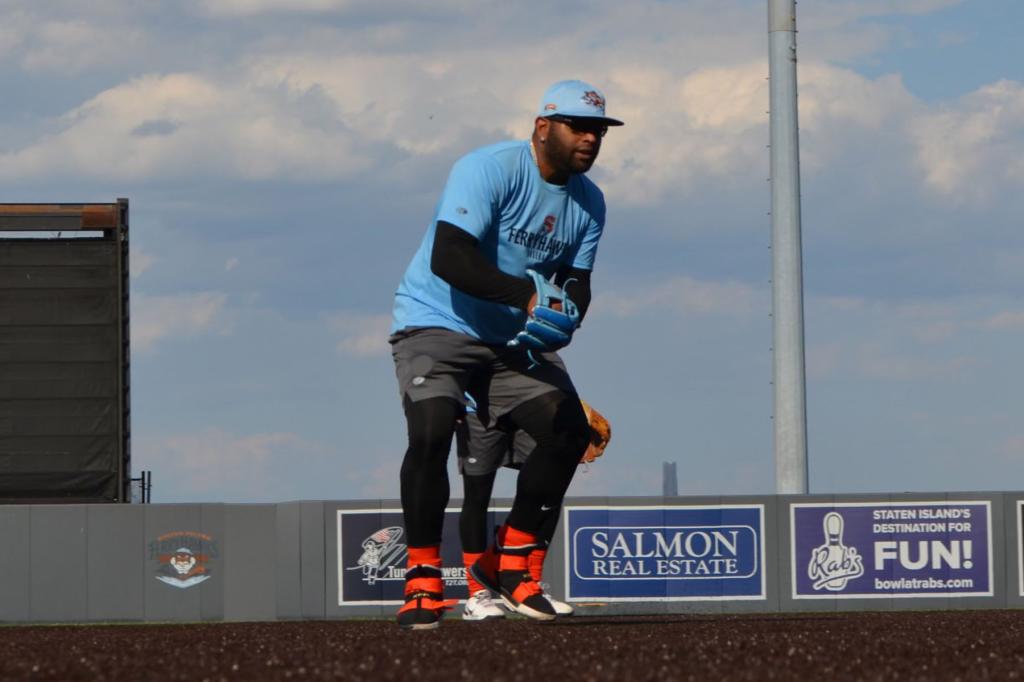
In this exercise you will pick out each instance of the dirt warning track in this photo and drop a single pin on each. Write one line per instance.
(963, 645)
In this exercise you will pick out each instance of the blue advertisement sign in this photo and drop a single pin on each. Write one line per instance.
(665, 553)
(891, 549)
(372, 556)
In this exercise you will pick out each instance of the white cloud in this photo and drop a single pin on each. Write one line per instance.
(685, 296)
(72, 8)
(301, 108)
(327, 103)
(907, 340)
(381, 480)
(428, 104)
(726, 98)
(835, 98)
(250, 7)
(215, 463)
(685, 128)
(841, 303)
(823, 359)
(954, 38)
(1012, 448)
(886, 363)
(973, 148)
(246, 8)
(10, 36)
(1008, 319)
(156, 318)
(362, 336)
(46, 39)
(936, 332)
(74, 46)
(211, 128)
(843, 112)
(141, 261)
(847, 11)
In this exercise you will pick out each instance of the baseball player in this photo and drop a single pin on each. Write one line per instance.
(482, 452)
(499, 283)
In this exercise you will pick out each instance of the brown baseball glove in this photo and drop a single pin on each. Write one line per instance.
(600, 434)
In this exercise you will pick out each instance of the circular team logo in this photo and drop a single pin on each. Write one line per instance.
(184, 558)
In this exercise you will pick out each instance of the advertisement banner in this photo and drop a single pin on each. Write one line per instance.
(891, 549)
(372, 555)
(1020, 547)
(692, 553)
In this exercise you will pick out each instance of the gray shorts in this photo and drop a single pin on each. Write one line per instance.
(439, 363)
(484, 450)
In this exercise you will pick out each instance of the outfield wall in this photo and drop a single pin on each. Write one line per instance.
(643, 555)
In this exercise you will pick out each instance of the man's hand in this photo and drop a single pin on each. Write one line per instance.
(555, 304)
(553, 318)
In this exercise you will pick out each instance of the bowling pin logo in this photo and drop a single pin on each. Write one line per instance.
(833, 564)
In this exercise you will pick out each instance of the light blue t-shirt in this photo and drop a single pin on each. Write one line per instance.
(497, 195)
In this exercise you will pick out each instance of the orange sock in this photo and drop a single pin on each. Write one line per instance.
(535, 562)
(468, 559)
(429, 556)
(515, 546)
(425, 556)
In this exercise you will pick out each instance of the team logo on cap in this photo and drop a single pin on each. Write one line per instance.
(550, 107)
(593, 99)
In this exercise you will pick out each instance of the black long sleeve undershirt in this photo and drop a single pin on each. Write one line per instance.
(578, 289)
(456, 259)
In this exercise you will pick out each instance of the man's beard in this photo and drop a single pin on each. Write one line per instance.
(565, 159)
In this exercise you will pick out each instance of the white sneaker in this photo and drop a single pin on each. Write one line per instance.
(482, 607)
(560, 607)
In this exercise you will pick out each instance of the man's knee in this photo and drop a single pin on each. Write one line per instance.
(431, 426)
(569, 423)
(557, 422)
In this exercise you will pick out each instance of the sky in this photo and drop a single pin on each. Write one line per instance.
(283, 157)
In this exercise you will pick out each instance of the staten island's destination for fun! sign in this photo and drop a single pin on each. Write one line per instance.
(891, 549)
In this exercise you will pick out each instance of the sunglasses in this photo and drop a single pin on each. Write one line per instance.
(581, 125)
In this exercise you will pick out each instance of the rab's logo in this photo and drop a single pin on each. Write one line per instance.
(593, 99)
(380, 551)
(183, 557)
(549, 223)
(833, 564)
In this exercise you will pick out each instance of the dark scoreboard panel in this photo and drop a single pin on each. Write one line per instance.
(64, 360)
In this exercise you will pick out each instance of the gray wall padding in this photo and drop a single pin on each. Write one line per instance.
(264, 562)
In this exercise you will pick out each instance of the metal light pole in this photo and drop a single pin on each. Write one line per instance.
(787, 267)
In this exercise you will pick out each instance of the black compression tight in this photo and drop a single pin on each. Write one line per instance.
(476, 497)
(473, 530)
(554, 420)
(557, 422)
(424, 476)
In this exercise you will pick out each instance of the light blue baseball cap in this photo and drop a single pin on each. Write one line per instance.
(575, 99)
